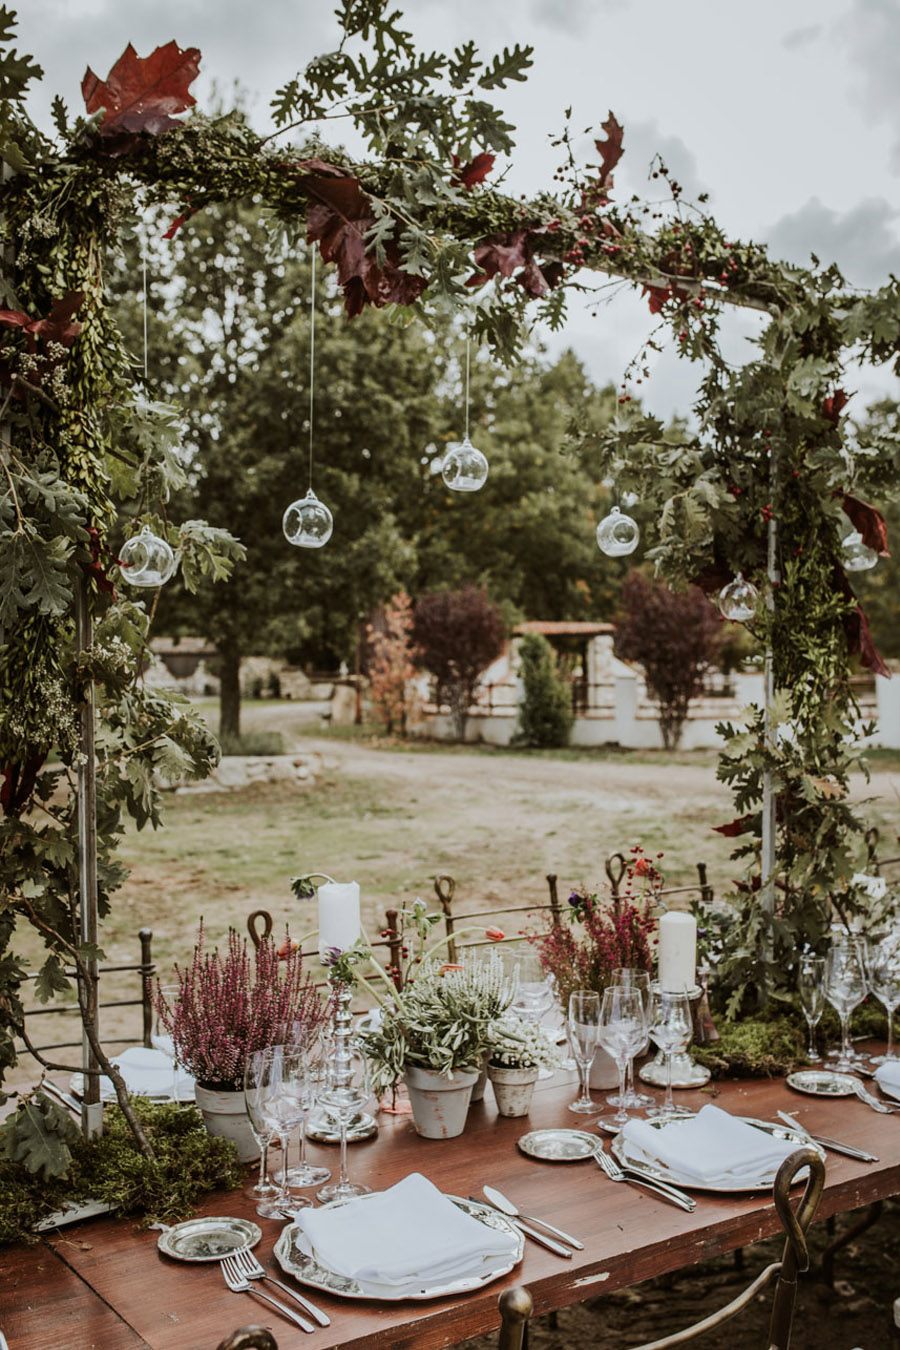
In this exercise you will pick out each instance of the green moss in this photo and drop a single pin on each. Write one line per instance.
(188, 1164)
(754, 1048)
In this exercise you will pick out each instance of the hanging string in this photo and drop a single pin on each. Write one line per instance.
(468, 346)
(144, 285)
(312, 362)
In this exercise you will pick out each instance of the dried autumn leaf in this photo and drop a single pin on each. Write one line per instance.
(833, 406)
(610, 150)
(829, 788)
(740, 825)
(141, 93)
(870, 523)
(476, 171)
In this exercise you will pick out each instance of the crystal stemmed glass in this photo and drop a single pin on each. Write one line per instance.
(670, 1029)
(282, 1092)
(811, 988)
(584, 1025)
(256, 1090)
(621, 1033)
(568, 1062)
(630, 977)
(161, 1039)
(344, 1092)
(315, 1055)
(845, 989)
(886, 988)
(533, 996)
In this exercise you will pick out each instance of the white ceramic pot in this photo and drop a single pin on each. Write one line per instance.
(480, 1083)
(604, 1073)
(513, 1089)
(440, 1103)
(225, 1117)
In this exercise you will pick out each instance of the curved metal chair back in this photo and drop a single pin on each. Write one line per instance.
(249, 1338)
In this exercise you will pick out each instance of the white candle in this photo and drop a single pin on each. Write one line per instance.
(340, 923)
(677, 952)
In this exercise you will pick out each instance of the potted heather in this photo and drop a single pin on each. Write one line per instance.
(226, 1006)
(434, 1036)
(598, 937)
(517, 1051)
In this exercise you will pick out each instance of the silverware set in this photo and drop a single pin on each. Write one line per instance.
(834, 1145)
(530, 1226)
(616, 1172)
(241, 1270)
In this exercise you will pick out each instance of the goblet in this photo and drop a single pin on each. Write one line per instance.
(584, 1021)
(845, 989)
(257, 1087)
(630, 977)
(670, 1029)
(811, 988)
(886, 988)
(621, 1032)
(282, 1102)
(315, 1054)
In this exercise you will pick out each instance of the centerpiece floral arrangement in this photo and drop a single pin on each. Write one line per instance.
(600, 935)
(230, 1004)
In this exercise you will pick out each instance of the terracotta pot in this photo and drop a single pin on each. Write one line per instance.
(225, 1117)
(440, 1103)
(604, 1073)
(480, 1083)
(513, 1089)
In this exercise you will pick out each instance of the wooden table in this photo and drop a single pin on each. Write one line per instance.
(104, 1284)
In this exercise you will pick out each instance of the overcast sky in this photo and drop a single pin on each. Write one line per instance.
(786, 111)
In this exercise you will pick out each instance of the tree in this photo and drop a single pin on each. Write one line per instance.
(459, 633)
(392, 667)
(545, 716)
(675, 635)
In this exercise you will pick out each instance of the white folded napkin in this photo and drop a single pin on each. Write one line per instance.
(711, 1147)
(887, 1076)
(147, 1073)
(409, 1232)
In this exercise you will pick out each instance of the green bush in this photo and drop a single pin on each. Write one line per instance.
(545, 717)
(254, 743)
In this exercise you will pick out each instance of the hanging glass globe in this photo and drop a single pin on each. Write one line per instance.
(307, 523)
(858, 557)
(617, 534)
(738, 600)
(464, 468)
(146, 560)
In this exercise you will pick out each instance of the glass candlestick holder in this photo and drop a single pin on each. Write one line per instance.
(686, 1072)
(324, 1127)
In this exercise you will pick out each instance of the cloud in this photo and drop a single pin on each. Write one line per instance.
(798, 38)
(871, 32)
(643, 140)
(862, 241)
(570, 16)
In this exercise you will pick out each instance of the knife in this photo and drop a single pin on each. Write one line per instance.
(833, 1144)
(501, 1202)
(533, 1233)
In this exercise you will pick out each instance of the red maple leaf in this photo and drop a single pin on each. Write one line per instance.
(59, 326)
(476, 171)
(610, 150)
(141, 93)
(339, 217)
(740, 825)
(500, 254)
(833, 406)
(870, 523)
(856, 627)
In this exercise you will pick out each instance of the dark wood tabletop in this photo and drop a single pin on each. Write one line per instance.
(103, 1283)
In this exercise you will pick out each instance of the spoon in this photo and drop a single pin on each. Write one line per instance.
(498, 1199)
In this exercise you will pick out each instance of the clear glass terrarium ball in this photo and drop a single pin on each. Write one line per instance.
(618, 534)
(738, 600)
(858, 557)
(464, 468)
(146, 560)
(307, 523)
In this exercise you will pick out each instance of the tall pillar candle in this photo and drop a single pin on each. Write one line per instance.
(340, 923)
(677, 952)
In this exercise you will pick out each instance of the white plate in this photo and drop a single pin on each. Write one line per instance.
(306, 1270)
(660, 1172)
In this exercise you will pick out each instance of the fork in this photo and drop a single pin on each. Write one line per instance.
(865, 1095)
(238, 1285)
(251, 1269)
(608, 1164)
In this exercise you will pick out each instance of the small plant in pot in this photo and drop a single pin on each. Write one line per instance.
(434, 1036)
(518, 1050)
(228, 1005)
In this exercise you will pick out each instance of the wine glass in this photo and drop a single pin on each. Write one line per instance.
(621, 1032)
(344, 1093)
(886, 988)
(161, 1039)
(584, 1025)
(315, 1054)
(811, 988)
(845, 989)
(630, 977)
(670, 1029)
(533, 997)
(257, 1087)
(282, 1083)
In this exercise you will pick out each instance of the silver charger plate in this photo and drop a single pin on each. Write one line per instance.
(822, 1083)
(306, 1270)
(660, 1172)
(208, 1239)
(559, 1145)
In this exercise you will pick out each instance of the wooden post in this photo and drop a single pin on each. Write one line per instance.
(91, 1106)
(147, 972)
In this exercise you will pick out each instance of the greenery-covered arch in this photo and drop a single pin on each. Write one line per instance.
(411, 225)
